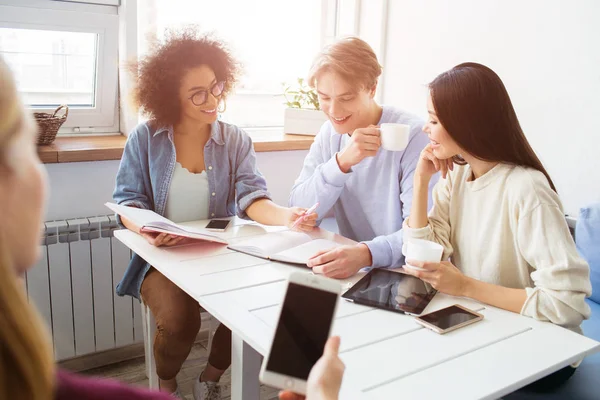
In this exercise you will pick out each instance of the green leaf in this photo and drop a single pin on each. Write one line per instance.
(302, 95)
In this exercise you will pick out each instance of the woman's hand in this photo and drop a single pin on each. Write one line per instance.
(325, 378)
(305, 222)
(154, 238)
(429, 164)
(161, 239)
(443, 276)
(264, 211)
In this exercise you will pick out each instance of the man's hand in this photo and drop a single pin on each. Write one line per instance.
(341, 262)
(364, 142)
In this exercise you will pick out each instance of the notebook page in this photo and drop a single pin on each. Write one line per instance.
(138, 216)
(300, 254)
(148, 220)
(176, 228)
(271, 243)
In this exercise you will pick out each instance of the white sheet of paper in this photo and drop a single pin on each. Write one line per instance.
(138, 216)
(150, 219)
(302, 253)
(272, 243)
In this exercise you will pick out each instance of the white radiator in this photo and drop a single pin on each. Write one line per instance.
(73, 287)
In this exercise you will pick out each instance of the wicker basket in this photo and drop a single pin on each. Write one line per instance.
(49, 124)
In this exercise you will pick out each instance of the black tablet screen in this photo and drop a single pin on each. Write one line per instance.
(392, 291)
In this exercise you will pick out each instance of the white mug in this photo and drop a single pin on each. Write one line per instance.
(394, 137)
(422, 250)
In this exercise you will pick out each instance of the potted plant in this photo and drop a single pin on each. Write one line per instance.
(302, 115)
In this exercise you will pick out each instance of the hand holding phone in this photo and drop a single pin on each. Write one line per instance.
(325, 378)
(449, 319)
(302, 330)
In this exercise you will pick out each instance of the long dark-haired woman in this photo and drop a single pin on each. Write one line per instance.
(497, 212)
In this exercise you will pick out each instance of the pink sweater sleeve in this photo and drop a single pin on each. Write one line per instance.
(71, 386)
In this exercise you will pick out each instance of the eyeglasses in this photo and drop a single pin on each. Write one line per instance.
(201, 96)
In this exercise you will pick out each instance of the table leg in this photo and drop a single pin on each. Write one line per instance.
(245, 367)
(149, 328)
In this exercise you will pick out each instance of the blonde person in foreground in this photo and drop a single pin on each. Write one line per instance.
(496, 213)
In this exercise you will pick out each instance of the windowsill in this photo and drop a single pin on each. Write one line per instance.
(83, 148)
(101, 148)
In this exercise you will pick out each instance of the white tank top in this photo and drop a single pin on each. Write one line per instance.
(188, 196)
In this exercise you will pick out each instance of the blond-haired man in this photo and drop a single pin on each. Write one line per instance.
(368, 188)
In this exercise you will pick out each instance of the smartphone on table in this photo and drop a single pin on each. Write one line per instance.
(449, 319)
(303, 328)
(217, 225)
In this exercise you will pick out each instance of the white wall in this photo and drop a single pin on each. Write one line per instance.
(81, 189)
(546, 51)
(281, 168)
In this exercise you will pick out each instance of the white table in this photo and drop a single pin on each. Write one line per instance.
(387, 355)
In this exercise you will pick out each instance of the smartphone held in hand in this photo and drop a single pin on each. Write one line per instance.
(302, 330)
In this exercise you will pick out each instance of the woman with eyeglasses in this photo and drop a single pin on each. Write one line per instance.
(187, 165)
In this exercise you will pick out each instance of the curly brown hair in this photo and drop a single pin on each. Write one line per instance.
(158, 75)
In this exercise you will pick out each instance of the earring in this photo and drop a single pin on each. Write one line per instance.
(222, 103)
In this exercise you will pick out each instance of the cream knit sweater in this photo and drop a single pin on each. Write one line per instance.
(508, 228)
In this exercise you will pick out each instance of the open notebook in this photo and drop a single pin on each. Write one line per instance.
(287, 246)
(149, 221)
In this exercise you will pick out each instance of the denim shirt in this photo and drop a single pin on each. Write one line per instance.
(146, 171)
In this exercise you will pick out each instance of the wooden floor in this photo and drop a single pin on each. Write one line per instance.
(133, 372)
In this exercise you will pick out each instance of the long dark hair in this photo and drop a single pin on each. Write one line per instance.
(473, 105)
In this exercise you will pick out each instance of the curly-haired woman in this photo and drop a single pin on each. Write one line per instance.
(186, 165)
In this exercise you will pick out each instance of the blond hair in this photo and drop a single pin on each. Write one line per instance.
(26, 360)
(352, 59)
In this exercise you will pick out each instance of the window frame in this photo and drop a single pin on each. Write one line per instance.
(329, 12)
(77, 17)
(101, 2)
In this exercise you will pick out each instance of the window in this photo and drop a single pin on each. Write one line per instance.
(63, 53)
(52, 68)
(275, 40)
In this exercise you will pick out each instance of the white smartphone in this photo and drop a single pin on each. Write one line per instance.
(449, 319)
(303, 328)
(217, 225)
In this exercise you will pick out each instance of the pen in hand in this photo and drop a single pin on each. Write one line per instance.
(305, 213)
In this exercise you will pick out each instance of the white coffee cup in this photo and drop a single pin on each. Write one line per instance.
(394, 137)
(422, 250)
